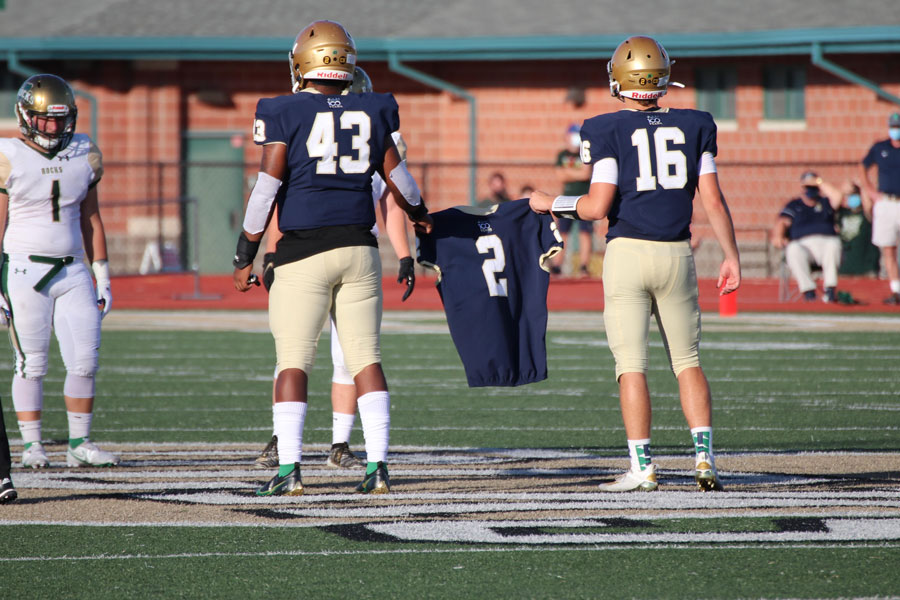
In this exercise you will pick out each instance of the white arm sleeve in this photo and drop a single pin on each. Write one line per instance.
(707, 163)
(606, 170)
(260, 203)
(406, 184)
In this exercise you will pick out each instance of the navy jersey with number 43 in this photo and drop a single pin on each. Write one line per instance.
(335, 144)
(658, 155)
(492, 278)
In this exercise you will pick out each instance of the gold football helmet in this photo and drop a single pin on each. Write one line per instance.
(40, 100)
(361, 81)
(322, 50)
(639, 69)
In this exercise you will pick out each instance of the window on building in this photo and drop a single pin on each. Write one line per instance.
(784, 93)
(715, 91)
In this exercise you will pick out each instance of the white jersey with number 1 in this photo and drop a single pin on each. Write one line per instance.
(45, 195)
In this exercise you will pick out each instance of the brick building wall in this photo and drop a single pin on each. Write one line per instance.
(145, 107)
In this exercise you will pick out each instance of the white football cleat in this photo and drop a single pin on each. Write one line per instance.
(706, 477)
(87, 454)
(35, 457)
(643, 481)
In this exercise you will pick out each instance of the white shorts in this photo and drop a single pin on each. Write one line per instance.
(67, 304)
(886, 223)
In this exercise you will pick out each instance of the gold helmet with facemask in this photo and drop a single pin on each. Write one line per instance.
(639, 69)
(323, 50)
(43, 98)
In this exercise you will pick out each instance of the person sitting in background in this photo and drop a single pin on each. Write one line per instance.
(854, 220)
(575, 177)
(805, 229)
(497, 186)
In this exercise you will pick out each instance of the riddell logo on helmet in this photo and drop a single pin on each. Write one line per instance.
(329, 75)
(644, 95)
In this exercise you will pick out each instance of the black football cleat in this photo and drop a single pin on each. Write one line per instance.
(268, 458)
(289, 485)
(7, 492)
(340, 457)
(376, 482)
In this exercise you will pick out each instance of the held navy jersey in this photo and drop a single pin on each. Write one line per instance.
(658, 156)
(335, 144)
(492, 266)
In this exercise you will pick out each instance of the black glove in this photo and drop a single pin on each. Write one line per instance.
(268, 269)
(407, 276)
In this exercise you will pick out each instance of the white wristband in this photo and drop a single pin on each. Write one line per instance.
(101, 270)
(565, 207)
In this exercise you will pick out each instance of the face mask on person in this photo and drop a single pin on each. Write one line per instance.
(894, 132)
(811, 191)
(854, 201)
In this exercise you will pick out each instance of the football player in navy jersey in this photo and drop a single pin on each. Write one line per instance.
(647, 163)
(343, 391)
(324, 148)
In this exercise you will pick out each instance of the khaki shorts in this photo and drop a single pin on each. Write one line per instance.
(641, 278)
(886, 222)
(344, 283)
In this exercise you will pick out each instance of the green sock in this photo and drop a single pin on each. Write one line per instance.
(371, 467)
(285, 469)
(75, 442)
(29, 445)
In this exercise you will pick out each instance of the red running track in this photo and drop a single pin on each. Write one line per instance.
(215, 292)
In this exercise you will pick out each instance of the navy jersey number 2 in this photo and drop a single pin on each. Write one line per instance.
(492, 267)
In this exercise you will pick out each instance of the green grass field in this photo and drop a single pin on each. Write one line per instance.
(494, 489)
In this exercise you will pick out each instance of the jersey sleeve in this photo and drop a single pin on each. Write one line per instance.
(708, 131)
(869, 159)
(267, 124)
(788, 211)
(95, 160)
(5, 170)
(597, 140)
(392, 112)
(550, 240)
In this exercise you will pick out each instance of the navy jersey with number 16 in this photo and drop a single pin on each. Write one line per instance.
(658, 156)
(335, 144)
(492, 266)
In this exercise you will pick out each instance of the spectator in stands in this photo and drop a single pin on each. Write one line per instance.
(854, 220)
(525, 190)
(885, 157)
(575, 177)
(805, 229)
(497, 186)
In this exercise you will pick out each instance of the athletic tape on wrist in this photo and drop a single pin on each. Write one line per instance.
(101, 270)
(565, 207)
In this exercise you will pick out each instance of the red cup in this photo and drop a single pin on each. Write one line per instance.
(728, 305)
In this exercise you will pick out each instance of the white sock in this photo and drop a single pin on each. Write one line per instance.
(895, 286)
(341, 426)
(702, 439)
(289, 417)
(639, 453)
(79, 424)
(375, 415)
(273, 419)
(31, 431)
